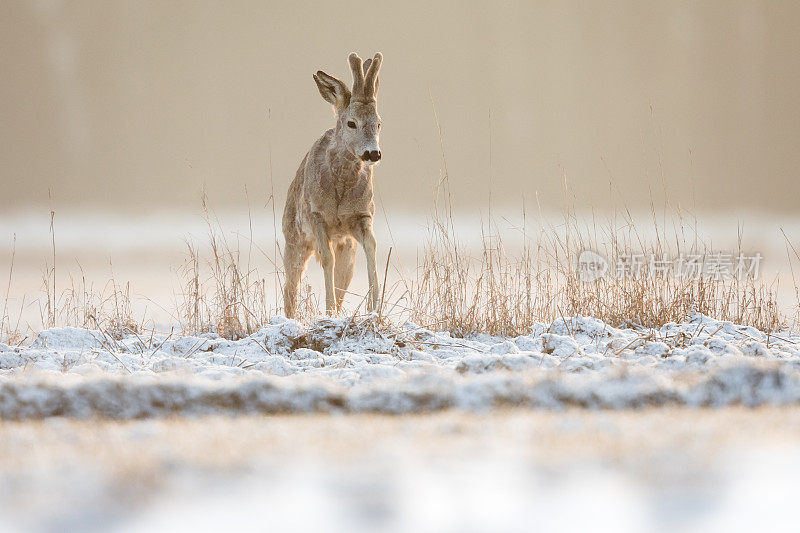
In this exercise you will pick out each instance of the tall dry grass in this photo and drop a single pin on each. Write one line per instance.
(222, 291)
(491, 288)
(501, 292)
(78, 303)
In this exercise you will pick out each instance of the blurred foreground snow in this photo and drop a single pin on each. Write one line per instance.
(664, 469)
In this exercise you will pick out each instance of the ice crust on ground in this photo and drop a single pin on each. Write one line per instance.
(341, 365)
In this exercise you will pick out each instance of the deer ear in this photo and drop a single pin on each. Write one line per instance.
(332, 90)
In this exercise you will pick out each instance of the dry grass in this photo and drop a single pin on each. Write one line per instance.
(223, 292)
(452, 287)
(496, 292)
(81, 304)
(78, 304)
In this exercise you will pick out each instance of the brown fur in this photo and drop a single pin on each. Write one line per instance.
(329, 207)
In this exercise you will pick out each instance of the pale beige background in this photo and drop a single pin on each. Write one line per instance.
(136, 105)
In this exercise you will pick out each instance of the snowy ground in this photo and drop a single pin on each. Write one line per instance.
(657, 469)
(335, 365)
(347, 426)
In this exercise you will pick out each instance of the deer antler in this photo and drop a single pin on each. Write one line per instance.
(371, 81)
(358, 74)
(365, 88)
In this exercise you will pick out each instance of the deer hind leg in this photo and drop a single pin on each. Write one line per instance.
(344, 264)
(295, 259)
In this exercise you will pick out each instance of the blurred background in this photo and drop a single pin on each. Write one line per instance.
(138, 105)
(117, 115)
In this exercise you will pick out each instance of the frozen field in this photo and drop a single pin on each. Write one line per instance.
(337, 365)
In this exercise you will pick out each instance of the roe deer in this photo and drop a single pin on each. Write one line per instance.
(329, 207)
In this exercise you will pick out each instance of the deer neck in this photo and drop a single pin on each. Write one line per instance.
(345, 166)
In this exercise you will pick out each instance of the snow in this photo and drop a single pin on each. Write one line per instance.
(507, 470)
(341, 365)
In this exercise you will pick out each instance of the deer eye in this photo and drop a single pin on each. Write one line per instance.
(351, 124)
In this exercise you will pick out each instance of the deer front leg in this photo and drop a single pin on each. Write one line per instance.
(366, 238)
(325, 256)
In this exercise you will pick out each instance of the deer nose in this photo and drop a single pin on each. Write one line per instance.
(365, 156)
(375, 155)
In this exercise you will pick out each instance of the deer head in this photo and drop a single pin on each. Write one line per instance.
(357, 121)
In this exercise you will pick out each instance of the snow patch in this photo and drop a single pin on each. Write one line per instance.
(342, 365)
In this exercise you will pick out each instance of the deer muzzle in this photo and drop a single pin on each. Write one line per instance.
(371, 156)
